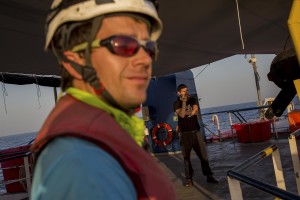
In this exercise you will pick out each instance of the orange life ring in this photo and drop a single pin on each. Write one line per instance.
(169, 135)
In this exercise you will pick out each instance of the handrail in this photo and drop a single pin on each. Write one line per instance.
(236, 113)
(295, 156)
(234, 176)
(18, 156)
(264, 186)
(295, 133)
(13, 153)
(237, 110)
(255, 159)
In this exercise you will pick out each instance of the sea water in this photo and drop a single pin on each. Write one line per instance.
(11, 141)
(210, 126)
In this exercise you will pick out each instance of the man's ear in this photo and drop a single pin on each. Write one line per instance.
(75, 58)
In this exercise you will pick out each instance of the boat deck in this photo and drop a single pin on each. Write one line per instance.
(223, 156)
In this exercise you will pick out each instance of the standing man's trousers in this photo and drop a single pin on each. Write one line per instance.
(194, 140)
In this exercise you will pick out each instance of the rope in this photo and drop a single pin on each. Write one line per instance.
(208, 130)
(287, 39)
(240, 26)
(4, 92)
(39, 93)
(257, 74)
(201, 71)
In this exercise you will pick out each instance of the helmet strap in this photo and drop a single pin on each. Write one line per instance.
(96, 24)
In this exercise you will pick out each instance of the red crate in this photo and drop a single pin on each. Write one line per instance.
(259, 131)
(294, 120)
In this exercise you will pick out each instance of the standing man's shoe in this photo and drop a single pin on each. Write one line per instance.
(211, 179)
(189, 183)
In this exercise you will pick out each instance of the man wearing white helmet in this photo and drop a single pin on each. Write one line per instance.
(90, 146)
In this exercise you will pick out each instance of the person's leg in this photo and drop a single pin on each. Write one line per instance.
(186, 147)
(200, 149)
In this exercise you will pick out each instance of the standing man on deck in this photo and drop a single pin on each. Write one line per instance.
(186, 108)
(90, 146)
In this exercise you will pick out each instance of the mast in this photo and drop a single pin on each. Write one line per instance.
(252, 61)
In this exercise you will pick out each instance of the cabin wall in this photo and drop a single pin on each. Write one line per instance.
(161, 95)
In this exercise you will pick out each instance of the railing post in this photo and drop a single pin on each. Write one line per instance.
(230, 121)
(27, 174)
(235, 188)
(295, 159)
(278, 169)
(216, 120)
(274, 128)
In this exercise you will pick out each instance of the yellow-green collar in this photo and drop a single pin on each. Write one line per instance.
(131, 124)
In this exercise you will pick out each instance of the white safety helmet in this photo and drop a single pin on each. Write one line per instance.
(63, 11)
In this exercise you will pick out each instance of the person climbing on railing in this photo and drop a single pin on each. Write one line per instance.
(191, 138)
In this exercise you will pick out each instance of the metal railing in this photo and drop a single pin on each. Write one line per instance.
(16, 155)
(236, 112)
(242, 120)
(215, 119)
(234, 177)
(295, 156)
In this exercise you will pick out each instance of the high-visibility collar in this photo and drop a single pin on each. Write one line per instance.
(131, 124)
